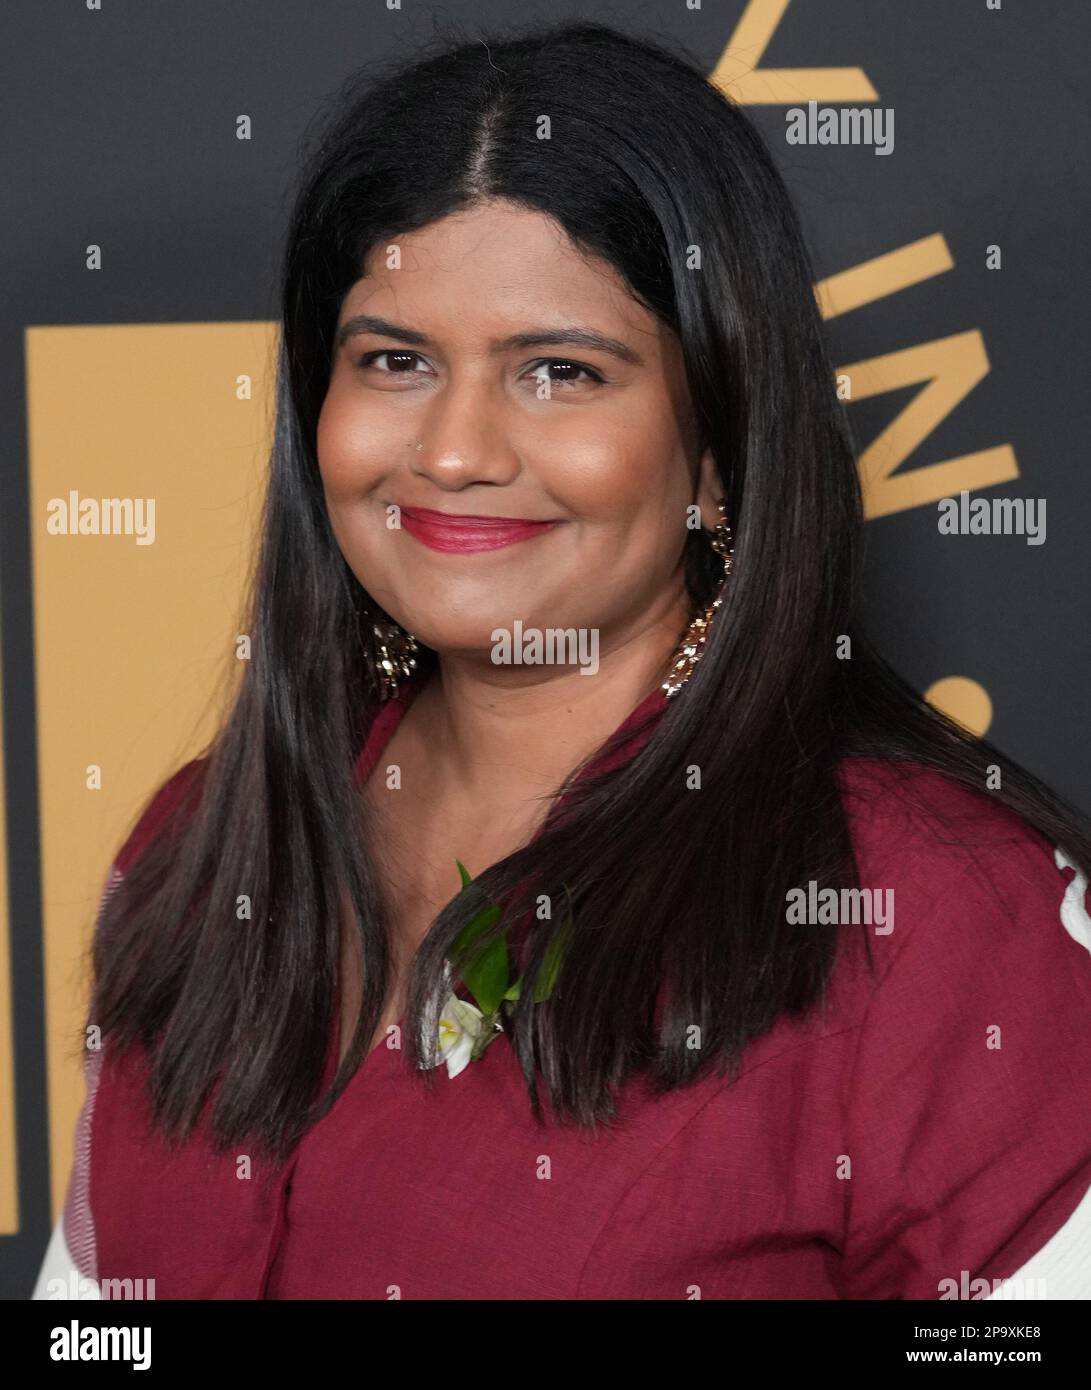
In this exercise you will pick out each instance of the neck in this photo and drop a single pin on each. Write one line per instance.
(512, 731)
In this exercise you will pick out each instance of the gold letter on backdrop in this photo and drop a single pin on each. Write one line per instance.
(952, 367)
(739, 75)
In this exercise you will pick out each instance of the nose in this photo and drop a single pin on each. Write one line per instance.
(463, 437)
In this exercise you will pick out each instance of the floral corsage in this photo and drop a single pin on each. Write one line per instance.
(465, 1030)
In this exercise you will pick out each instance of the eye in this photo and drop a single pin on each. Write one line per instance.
(400, 363)
(570, 372)
(558, 371)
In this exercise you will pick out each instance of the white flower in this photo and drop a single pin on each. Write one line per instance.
(460, 1026)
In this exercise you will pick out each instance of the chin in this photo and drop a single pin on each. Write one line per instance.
(464, 636)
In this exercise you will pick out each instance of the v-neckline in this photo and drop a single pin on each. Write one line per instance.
(381, 731)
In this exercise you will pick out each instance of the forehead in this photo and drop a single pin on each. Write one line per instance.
(496, 266)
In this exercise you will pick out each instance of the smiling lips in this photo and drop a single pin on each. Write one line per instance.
(465, 534)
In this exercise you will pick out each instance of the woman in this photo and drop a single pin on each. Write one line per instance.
(504, 944)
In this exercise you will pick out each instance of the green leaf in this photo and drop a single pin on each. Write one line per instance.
(479, 923)
(486, 974)
(487, 977)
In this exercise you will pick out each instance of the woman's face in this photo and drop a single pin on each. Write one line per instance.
(439, 402)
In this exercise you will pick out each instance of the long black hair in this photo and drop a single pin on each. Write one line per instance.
(653, 169)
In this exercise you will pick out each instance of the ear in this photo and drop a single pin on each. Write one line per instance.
(709, 491)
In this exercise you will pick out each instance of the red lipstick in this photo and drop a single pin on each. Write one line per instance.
(464, 534)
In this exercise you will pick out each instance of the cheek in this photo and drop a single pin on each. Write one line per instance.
(632, 466)
(350, 449)
(348, 466)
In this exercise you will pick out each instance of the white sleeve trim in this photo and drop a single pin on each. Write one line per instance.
(1062, 1268)
(59, 1276)
(1074, 915)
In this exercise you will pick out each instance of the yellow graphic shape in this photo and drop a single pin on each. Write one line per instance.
(963, 700)
(739, 73)
(949, 369)
(132, 641)
(883, 275)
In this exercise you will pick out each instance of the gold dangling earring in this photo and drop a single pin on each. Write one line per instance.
(691, 648)
(396, 656)
(395, 651)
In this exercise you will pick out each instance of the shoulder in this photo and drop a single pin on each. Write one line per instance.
(973, 1062)
(958, 855)
(981, 915)
(172, 800)
(881, 795)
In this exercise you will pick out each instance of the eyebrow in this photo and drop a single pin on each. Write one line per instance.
(569, 334)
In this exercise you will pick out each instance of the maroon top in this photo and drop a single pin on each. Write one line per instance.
(930, 1124)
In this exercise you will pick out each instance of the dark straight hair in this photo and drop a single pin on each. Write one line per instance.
(649, 167)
